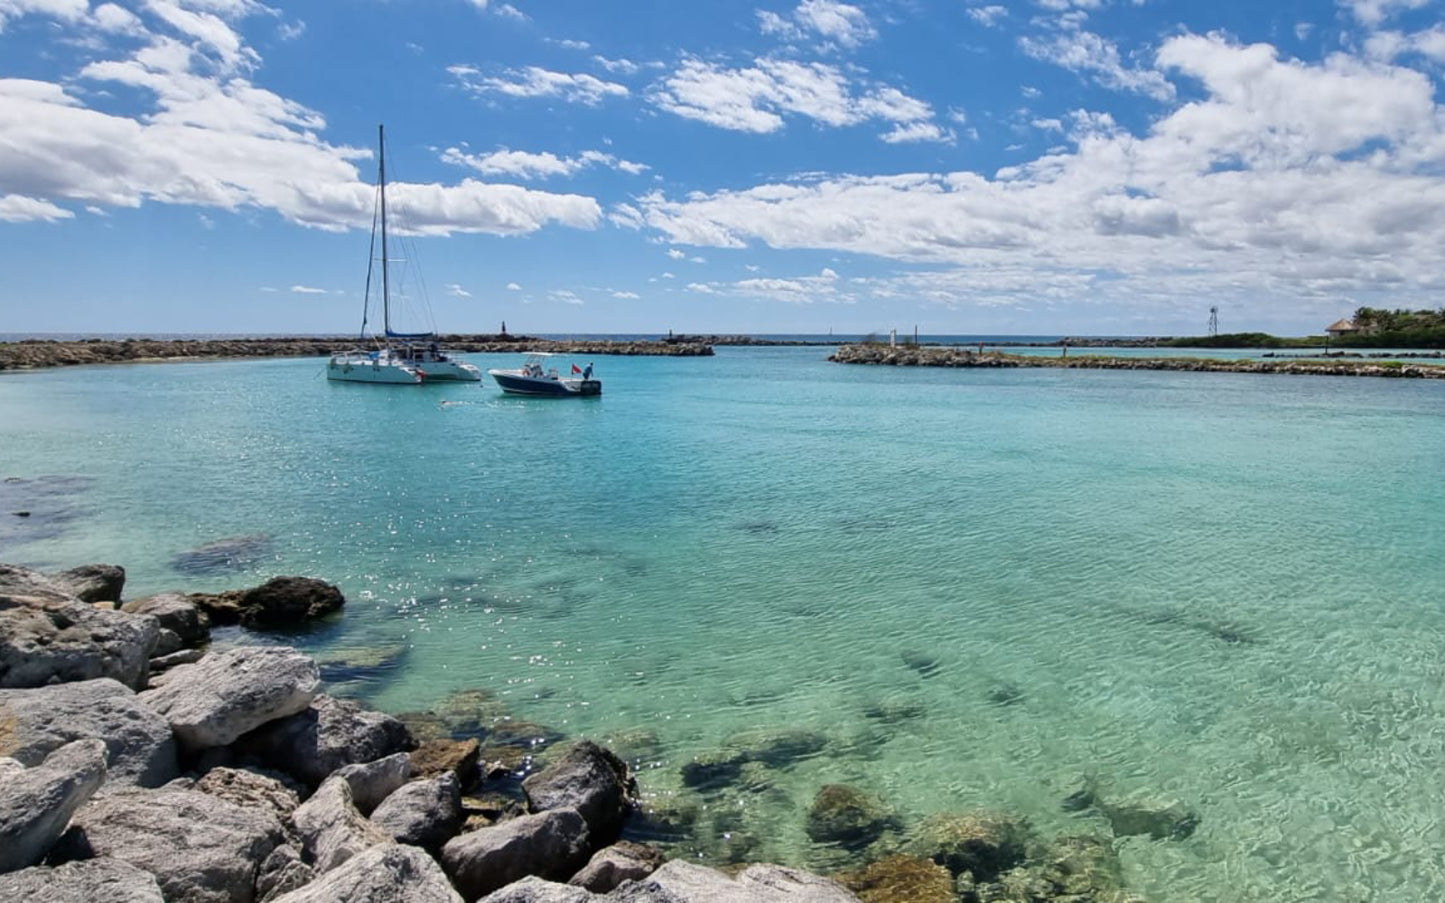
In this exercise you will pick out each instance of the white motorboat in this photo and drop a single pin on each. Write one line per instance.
(396, 357)
(536, 377)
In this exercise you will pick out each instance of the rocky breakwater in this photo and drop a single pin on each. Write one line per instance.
(205, 775)
(36, 353)
(929, 356)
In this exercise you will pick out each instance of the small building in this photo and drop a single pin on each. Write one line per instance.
(1341, 327)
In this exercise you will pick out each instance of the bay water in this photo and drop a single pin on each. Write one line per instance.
(980, 586)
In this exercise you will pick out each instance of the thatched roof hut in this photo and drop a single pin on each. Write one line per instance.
(1342, 326)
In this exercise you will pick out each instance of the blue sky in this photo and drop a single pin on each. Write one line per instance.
(1078, 167)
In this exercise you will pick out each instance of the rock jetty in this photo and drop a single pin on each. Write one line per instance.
(931, 356)
(35, 353)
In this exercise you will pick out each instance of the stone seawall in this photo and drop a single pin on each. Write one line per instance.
(32, 354)
(911, 356)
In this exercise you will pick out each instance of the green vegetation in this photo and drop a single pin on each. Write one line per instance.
(1377, 329)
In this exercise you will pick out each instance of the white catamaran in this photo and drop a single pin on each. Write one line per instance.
(398, 357)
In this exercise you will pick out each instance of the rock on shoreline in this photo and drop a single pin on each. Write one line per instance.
(35, 353)
(931, 356)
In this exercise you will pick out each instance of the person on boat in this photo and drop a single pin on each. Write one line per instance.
(587, 371)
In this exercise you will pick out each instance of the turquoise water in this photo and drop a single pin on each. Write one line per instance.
(1218, 588)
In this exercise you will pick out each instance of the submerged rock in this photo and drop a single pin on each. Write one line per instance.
(91, 881)
(37, 803)
(224, 695)
(847, 816)
(139, 744)
(771, 747)
(459, 757)
(900, 879)
(234, 553)
(983, 843)
(1137, 813)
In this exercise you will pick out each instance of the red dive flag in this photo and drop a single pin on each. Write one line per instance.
(576, 369)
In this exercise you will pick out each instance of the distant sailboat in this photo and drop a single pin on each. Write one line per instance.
(412, 357)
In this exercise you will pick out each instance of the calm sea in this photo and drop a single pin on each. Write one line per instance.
(1217, 588)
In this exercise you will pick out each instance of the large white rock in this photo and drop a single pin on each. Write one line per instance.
(226, 694)
(202, 849)
(141, 748)
(390, 873)
(47, 634)
(372, 782)
(91, 881)
(331, 829)
(37, 803)
(424, 813)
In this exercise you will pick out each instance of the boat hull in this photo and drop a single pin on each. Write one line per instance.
(514, 382)
(365, 368)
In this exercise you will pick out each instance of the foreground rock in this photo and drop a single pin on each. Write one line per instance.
(329, 734)
(757, 884)
(139, 744)
(250, 790)
(48, 635)
(37, 803)
(610, 866)
(92, 881)
(176, 613)
(389, 873)
(372, 782)
(550, 845)
(424, 813)
(200, 848)
(331, 829)
(591, 780)
(91, 583)
(224, 695)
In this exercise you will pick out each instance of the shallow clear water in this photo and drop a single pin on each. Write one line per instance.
(1220, 588)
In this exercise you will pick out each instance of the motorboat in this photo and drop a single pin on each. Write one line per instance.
(395, 357)
(538, 377)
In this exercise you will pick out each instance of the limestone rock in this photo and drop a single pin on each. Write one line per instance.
(226, 694)
(390, 873)
(591, 780)
(46, 635)
(982, 843)
(37, 803)
(141, 749)
(201, 849)
(424, 813)
(549, 845)
(163, 663)
(372, 782)
(331, 829)
(282, 872)
(93, 582)
(623, 861)
(91, 881)
(327, 735)
(250, 790)
(537, 890)
(757, 884)
(847, 816)
(174, 612)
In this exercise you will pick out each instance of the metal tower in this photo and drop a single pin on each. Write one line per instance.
(1213, 321)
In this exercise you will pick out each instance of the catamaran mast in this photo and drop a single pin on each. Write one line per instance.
(385, 283)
